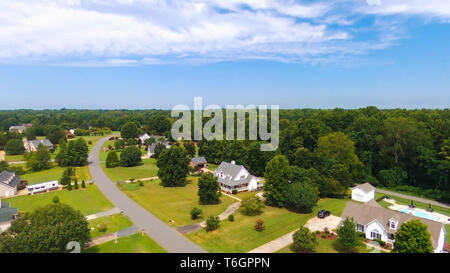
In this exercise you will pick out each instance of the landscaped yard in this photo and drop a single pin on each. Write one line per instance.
(327, 246)
(118, 174)
(240, 235)
(89, 200)
(173, 203)
(113, 223)
(55, 173)
(130, 244)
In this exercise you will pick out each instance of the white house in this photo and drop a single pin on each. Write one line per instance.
(7, 215)
(32, 145)
(9, 182)
(43, 187)
(236, 177)
(380, 223)
(151, 148)
(144, 137)
(18, 129)
(363, 193)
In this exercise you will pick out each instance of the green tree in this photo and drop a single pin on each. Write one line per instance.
(119, 144)
(256, 160)
(130, 156)
(195, 213)
(75, 184)
(159, 147)
(413, 237)
(212, 223)
(39, 160)
(304, 241)
(190, 148)
(112, 160)
(277, 181)
(302, 197)
(83, 184)
(14, 147)
(173, 167)
(69, 186)
(55, 134)
(66, 177)
(208, 189)
(347, 236)
(74, 153)
(251, 205)
(129, 130)
(30, 233)
(159, 125)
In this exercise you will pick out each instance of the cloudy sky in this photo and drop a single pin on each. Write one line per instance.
(159, 53)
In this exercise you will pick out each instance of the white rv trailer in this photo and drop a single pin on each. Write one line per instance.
(43, 187)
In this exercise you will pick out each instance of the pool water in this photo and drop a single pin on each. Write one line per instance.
(421, 214)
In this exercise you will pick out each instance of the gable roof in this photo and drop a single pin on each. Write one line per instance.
(18, 127)
(367, 187)
(36, 143)
(6, 212)
(199, 160)
(229, 169)
(232, 170)
(9, 179)
(366, 213)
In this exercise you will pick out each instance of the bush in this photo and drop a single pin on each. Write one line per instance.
(141, 183)
(75, 185)
(304, 241)
(103, 228)
(259, 225)
(252, 205)
(324, 235)
(130, 156)
(55, 199)
(231, 218)
(112, 160)
(234, 191)
(382, 243)
(83, 184)
(195, 213)
(212, 223)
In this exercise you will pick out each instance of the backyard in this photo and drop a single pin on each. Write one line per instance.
(240, 235)
(173, 203)
(135, 243)
(89, 200)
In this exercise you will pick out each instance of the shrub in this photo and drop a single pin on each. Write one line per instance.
(382, 243)
(83, 184)
(212, 223)
(130, 156)
(195, 213)
(259, 225)
(304, 241)
(234, 191)
(231, 218)
(55, 199)
(75, 185)
(112, 160)
(324, 235)
(252, 205)
(141, 183)
(102, 228)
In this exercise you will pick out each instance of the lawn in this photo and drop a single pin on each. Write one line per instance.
(240, 236)
(130, 244)
(327, 246)
(12, 158)
(407, 202)
(55, 173)
(89, 200)
(447, 228)
(146, 169)
(113, 223)
(173, 203)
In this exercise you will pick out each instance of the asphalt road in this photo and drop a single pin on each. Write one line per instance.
(418, 199)
(164, 235)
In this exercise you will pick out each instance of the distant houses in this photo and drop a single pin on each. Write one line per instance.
(198, 163)
(9, 182)
(233, 177)
(158, 140)
(17, 129)
(7, 215)
(32, 145)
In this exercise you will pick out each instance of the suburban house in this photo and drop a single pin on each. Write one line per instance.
(9, 182)
(151, 148)
(236, 177)
(143, 138)
(7, 215)
(198, 163)
(70, 133)
(32, 145)
(363, 192)
(43, 187)
(380, 223)
(18, 129)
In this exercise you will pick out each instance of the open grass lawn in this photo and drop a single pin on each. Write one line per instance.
(113, 223)
(240, 236)
(12, 158)
(89, 200)
(447, 228)
(130, 244)
(173, 203)
(146, 169)
(407, 202)
(327, 246)
(55, 173)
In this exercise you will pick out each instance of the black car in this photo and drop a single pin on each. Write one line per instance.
(323, 213)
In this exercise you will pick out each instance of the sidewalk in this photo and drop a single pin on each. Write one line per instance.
(109, 237)
(275, 245)
(103, 214)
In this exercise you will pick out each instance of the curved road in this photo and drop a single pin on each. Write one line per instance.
(164, 235)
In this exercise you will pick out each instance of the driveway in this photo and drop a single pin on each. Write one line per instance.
(165, 236)
(2, 155)
(316, 224)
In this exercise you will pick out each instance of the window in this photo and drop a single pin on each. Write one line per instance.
(392, 224)
(391, 236)
(375, 234)
(359, 227)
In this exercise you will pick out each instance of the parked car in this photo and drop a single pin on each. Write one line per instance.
(323, 214)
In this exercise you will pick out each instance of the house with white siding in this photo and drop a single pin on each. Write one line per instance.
(236, 177)
(363, 192)
(32, 145)
(9, 182)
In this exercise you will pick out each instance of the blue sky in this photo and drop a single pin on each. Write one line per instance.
(157, 54)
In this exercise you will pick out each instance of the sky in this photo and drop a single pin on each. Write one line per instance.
(146, 54)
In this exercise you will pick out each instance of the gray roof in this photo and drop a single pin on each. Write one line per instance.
(366, 213)
(6, 212)
(44, 142)
(199, 160)
(231, 170)
(152, 146)
(10, 179)
(18, 127)
(367, 187)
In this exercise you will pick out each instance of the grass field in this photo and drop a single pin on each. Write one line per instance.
(407, 202)
(12, 158)
(54, 173)
(118, 174)
(89, 200)
(240, 236)
(130, 244)
(173, 203)
(113, 223)
(447, 228)
(327, 246)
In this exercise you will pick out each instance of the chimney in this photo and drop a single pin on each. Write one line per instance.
(233, 162)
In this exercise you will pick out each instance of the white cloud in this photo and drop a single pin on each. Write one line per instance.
(130, 32)
(438, 8)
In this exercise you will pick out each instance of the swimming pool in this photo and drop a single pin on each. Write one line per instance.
(421, 214)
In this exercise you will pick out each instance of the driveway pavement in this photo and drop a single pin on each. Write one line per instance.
(316, 224)
(165, 236)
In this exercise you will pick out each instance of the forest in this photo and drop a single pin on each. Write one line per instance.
(399, 149)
